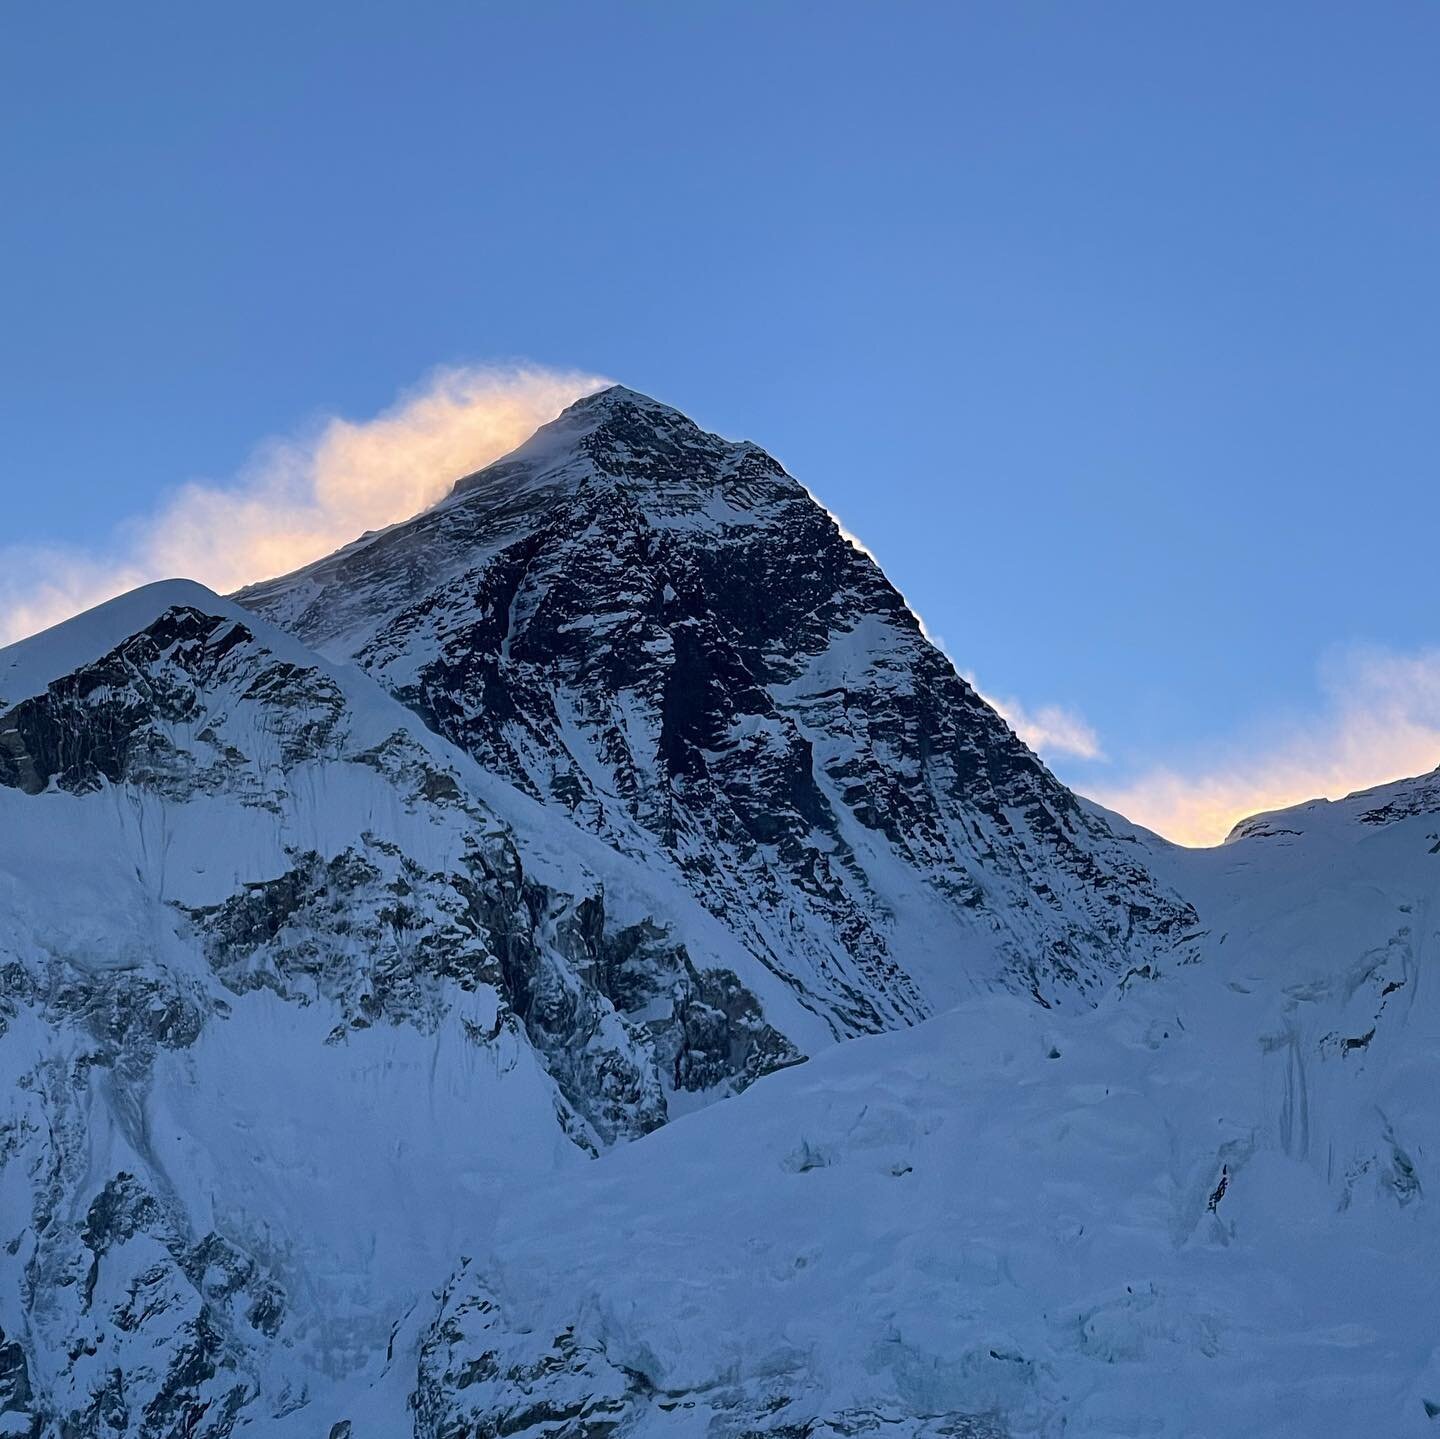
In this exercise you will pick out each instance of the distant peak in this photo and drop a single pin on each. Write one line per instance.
(614, 394)
(614, 428)
(620, 398)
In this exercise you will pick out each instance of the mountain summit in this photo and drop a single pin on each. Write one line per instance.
(660, 634)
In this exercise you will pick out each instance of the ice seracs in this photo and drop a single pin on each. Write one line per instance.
(1200, 1208)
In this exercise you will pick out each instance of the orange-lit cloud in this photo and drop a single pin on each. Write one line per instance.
(297, 499)
(1381, 722)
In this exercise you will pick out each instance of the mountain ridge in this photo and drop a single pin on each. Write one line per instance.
(712, 603)
(407, 968)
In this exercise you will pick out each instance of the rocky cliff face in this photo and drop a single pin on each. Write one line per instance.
(663, 636)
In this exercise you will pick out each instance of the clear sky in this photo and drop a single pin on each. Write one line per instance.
(1112, 329)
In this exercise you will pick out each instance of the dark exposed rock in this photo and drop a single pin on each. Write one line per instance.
(117, 718)
(18, 1409)
(481, 1376)
(478, 1380)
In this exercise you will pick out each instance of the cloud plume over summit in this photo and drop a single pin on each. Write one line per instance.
(297, 498)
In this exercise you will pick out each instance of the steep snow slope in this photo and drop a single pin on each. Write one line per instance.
(1201, 1209)
(291, 991)
(661, 634)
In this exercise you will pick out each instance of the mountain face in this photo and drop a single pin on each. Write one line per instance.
(1204, 1207)
(362, 936)
(661, 635)
(289, 986)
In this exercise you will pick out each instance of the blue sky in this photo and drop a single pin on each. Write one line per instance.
(1112, 329)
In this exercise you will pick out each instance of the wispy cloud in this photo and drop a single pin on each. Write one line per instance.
(1049, 730)
(1381, 722)
(297, 498)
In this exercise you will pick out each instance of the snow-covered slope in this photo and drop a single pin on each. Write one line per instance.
(292, 990)
(1201, 1209)
(661, 634)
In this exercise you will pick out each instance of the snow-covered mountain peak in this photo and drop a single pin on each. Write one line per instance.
(617, 408)
(342, 923)
(661, 460)
(1396, 799)
(616, 399)
(662, 634)
(28, 665)
(594, 422)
